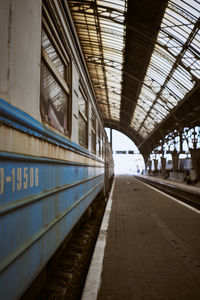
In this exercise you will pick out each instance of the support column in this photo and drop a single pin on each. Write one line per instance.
(111, 139)
(163, 165)
(146, 165)
(195, 157)
(149, 164)
(145, 156)
(163, 161)
(155, 166)
(175, 157)
(181, 142)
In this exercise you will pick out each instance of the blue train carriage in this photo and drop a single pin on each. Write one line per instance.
(52, 141)
(109, 167)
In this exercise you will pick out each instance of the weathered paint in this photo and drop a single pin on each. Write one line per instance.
(40, 202)
(47, 179)
(20, 120)
(19, 142)
(44, 190)
(20, 28)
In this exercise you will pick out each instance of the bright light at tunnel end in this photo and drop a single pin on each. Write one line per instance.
(125, 163)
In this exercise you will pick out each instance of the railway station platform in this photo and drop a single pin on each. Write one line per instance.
(195, 188)
(148, 247)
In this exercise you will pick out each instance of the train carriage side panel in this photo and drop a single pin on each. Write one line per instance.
(47, 180)
(41, 198)
(20, 33)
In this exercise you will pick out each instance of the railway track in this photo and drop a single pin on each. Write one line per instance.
(188, 197)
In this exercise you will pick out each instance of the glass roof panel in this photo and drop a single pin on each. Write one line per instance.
(174, 66)
(103, 43)
(190, 7)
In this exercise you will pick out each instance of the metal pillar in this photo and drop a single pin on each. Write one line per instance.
(149, 164)
(163, 164)
(181, 142)
(155, 166)
(195, 154)
(175, 157)
(111, 143)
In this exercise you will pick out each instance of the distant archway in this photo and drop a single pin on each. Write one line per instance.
(127, 158)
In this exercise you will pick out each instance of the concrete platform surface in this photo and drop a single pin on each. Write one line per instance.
(194, 188)
(152, 249)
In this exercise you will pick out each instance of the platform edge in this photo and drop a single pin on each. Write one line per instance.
(93, 279)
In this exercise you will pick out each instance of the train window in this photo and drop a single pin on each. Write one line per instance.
(83, 119)
(52, 54)
(99, 143)
(103, 146)
(55, 80)
(93, 132)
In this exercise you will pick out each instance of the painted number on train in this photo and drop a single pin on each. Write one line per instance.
(20, 178)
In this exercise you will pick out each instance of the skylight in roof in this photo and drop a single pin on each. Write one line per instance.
(100, 27)
(174, 67)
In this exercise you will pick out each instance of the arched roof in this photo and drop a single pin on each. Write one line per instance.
(144, 61)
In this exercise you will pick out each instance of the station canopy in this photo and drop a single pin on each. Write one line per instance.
(143, 57)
